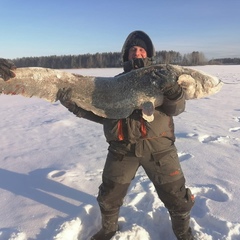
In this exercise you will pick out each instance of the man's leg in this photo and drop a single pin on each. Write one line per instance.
(164, 170)
(118, 172)
(179, 201)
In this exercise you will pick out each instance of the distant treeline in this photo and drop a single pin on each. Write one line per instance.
(225, 61)
(113, 60)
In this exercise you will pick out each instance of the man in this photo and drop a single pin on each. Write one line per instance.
(134, 142)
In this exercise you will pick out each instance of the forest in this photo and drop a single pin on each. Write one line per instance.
(113, 60)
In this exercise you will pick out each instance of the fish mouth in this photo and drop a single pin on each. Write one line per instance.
(147, 111)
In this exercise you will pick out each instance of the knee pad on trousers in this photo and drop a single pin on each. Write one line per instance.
(175, 196)
(111, 195)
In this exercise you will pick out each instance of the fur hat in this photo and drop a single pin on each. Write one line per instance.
(138, 38)
(137, 42)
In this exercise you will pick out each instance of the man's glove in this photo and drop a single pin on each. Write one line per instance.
(64, 95)
(173, 92)
(169, 86)
(6, 68)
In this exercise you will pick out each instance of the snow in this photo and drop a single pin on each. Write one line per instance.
(51, 164)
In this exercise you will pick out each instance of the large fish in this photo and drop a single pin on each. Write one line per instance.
(110, 97)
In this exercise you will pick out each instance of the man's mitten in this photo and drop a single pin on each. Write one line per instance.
(6, 68)
(173, 92)
(64, 95)
(169, 86)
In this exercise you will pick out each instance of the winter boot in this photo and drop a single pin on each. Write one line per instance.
(109, 227)
(187, 236)
(180, 225)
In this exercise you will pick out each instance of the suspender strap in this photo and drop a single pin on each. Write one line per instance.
(120, 130)
(143, 128)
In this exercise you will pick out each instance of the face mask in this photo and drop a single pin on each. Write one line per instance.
(137, 63)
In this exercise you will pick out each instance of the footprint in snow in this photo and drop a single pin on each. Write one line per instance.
(202, 218)
(237, 119)
(142, 194)
(235, 129)
(211, 191)
(92, 175)
(215, 139)
(184, 156)
(204, 193)
(56, 174)
(185, 135)
(81, 227)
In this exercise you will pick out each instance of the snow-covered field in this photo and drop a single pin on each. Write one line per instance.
(51, 164)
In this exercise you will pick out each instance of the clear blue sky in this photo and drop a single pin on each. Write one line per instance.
(64, 27)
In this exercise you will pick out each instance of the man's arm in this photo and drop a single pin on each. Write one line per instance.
(6, 68)
(64, 96)
(174, 100)
(174, 96)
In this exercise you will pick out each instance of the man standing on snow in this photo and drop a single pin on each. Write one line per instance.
(134, 142)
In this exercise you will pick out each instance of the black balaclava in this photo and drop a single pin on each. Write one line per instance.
(141, 39)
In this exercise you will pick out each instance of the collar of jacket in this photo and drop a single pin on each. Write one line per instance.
(137, 63)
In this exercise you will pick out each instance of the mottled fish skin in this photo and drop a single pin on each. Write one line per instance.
(109, 97)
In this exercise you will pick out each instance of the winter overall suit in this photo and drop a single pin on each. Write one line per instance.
(134, 142)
